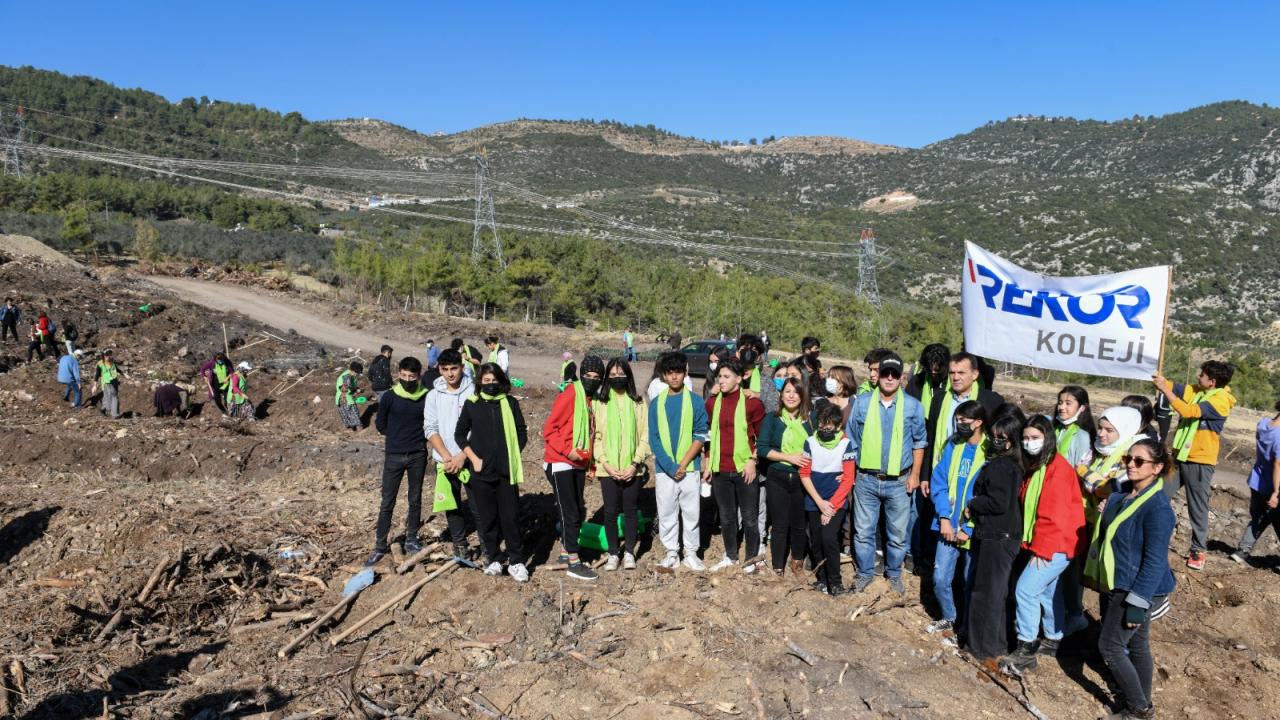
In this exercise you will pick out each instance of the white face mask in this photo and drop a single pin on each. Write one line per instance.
(1033, 447)
(713, 366)
(1072, 420)
(832, 385)
(1106, 449)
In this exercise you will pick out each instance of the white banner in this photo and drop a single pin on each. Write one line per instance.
(1109, 325)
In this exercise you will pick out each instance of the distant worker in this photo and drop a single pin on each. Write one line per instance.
(47, 330)
(498, 355)
(238, 405)
(107, 377)
(35, 344)
(344, 396)
(70, 335)
(216, 373)
(380, 372)
(568, 370)
(433, 354)
(10, 315)
(629, 345)
(764, 338)
(170, 401)
(69, 375)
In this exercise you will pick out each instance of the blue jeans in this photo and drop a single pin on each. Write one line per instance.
(869, 496)
(72, 387)
(922, 538)
(944, 574)
(631, 355)
(1038, 595)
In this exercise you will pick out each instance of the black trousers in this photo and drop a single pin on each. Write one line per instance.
(569, 486)
(456, 519)
(1127, 651)
(9, 328)
(825, 540)
(737, 500)
(785, 501)
(624, 496)
(36, 347)
(988, 603)
(394, 467)
(496, 503)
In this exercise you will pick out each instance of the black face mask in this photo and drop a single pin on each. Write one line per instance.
(490, 389)
(590, 385)
(1000, 444)
(410, 386)
(965, 431)
(827, 435)
(618, 383)
(748, 356)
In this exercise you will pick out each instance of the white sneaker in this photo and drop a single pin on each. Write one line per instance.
(628, 561)
(519, 572)
(494, 569)
(725, 562)
(611, 564)
(751, 568)
(671, 560)
(692, 562)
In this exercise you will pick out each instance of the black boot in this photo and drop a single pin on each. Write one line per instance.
(1048, 648)
(1022, 659)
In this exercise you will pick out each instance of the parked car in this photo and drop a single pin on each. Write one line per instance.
(698, 353)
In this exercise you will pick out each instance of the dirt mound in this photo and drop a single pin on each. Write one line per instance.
(23, 246)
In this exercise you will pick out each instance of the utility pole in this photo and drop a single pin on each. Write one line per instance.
(485, 215)
(9, 141)
(868, 260)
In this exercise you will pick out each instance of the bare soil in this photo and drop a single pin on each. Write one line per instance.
(92, 509)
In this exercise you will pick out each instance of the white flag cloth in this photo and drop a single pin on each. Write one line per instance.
(1109, 325)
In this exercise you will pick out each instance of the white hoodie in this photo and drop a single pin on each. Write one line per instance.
(441, 411)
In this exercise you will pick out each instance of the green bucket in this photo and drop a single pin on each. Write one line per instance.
(592, 534)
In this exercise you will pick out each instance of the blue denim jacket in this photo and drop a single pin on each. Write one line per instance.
(1141, 548)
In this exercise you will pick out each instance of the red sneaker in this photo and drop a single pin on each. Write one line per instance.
(1195, 560)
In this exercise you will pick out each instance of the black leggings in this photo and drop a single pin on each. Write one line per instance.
(993, 558)
(628, 496)
(785, 500)
(568, 486)
(737, 500)
(496, 503)
(825, 540)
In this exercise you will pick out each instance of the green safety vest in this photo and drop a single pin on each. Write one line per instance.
(220, 371)
(686, 425)
(953, 475)
(940, 433)
(1102, 466)
(236, 381)
(1066, 437)
(109, 372)
(741, 446)
(1187, 427)
(339, 391)
(493, 356)
(872, 439)
(1100, 565)
(1031, 503)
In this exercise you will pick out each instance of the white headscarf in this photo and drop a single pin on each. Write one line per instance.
(1127, 423)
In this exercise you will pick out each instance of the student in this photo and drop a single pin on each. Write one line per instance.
(10, 316)
(997, 519)
(1202, 409)
(46, 331)
(441, 409)
(629, 345)
(1053, 532)
(470, 357)
(1264, 491)
(731, 456)
(35, 342)
(69, 375)
(811, 348)
(567, 439)
(70, 335)
(433, 354)
(620, 449)
(1073, 426)
(841, 388)
(380, 372)
(952, 487)
(498, 355)
(216, 372)
(658, 381)
(107, 376)
(826, 473)
(491, 433)
(568, 370)
(887, 430)
(929, 379)
(1143, 405)
(238, 405)
(678, 426)
(401, 420)
(781, 449)
(344, 395)
(1128, 563)
(872, 359)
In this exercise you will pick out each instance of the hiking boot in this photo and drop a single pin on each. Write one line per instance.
(671, 560)
(375, 557)
(493, 569)
(895, 584)
(611, 564)
(837, 590)
(461, 551)
(940, 626)
(412, 546)
(579, 571)
(1048, 648)
(1195, 560)
(725, 562)
(628, 561)
(519, 572)
(862, 583)
(820, 586)
(1022, 659)
(692, 562)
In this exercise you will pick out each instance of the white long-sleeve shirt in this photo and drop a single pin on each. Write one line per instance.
(441, 410)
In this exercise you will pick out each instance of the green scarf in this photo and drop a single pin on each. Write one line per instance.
(509, 434)
(1102, 466)
(872, 439)
(1187, 427)
(1031, 503)
(1100, 565)
(741, 447)
(953, 475)
(794, 436)
(619, 430)
(581, 418)
(686, 425)
(1066, 436)
(415, 396)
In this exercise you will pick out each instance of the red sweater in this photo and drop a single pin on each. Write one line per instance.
(1060, 515)
(557, 434)
(728, 409)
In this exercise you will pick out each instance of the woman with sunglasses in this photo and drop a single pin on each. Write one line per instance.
(1129, 564)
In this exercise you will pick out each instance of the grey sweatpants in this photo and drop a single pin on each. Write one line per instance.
(679, 501)
(111, 400)
(1197, 478)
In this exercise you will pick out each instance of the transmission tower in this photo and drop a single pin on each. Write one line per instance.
(485, 216)
(868, 262)
(10, 138)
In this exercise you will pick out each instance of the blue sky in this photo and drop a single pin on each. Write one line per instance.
(898, 73)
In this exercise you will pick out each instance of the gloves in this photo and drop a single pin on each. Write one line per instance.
(1134, 615)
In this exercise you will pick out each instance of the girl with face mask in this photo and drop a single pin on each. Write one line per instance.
(1052, 534)
(951, 488)
(839, 388)
(491, 433)
(621, 448)
(567, 440)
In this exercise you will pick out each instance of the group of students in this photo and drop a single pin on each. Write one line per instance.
(227, 385)
(42, 331)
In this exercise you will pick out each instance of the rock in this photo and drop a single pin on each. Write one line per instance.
(183, 351)
(315, 400)
(23, 395)
(121, 433)
(292, 373)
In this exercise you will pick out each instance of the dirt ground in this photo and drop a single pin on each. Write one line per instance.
(153, 567)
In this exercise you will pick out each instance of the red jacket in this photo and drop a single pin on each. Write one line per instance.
(42, 326)
(1060, 524)
(557, 434)
(728, 408)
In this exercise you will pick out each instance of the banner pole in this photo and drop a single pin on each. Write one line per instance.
(1164, 330)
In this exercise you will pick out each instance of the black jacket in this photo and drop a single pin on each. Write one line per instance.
(995, 508)
(380, 373)
(400, 420)
(480, 428)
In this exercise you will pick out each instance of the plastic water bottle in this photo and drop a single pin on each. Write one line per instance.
(292, 554)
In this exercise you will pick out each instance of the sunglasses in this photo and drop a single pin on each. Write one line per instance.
(1135, 461)
(891, 374)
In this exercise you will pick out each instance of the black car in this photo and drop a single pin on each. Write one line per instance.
(698, 353)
